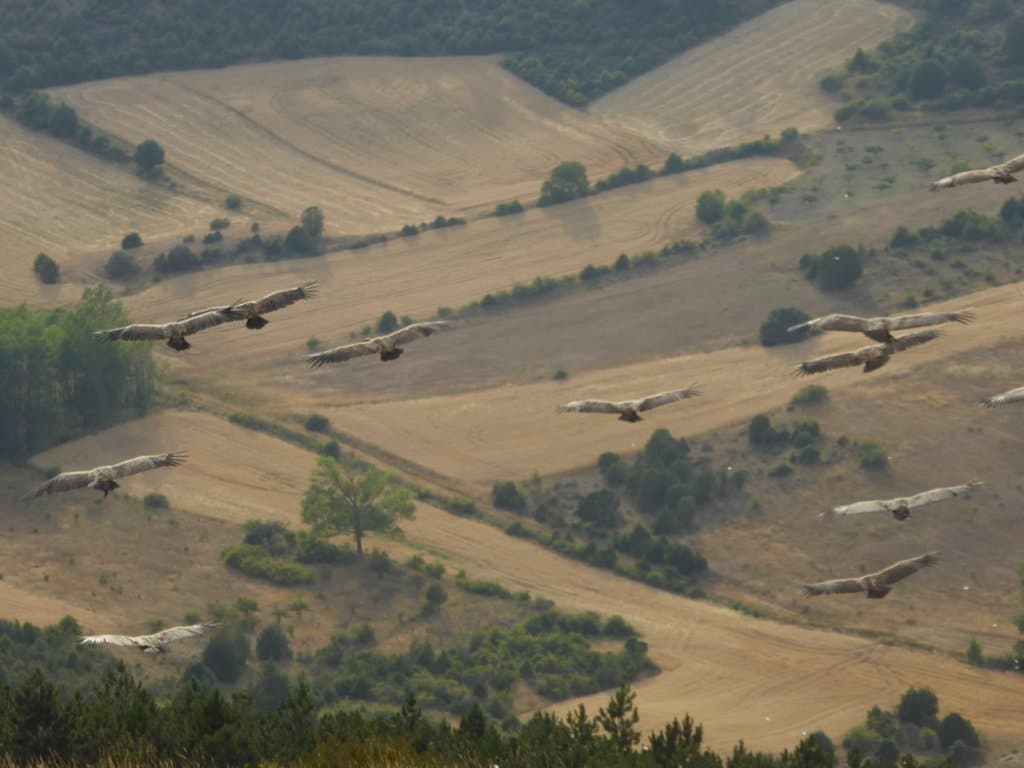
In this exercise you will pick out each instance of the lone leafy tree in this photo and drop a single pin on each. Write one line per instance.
(568, 181)
(340, 501)
(148, 156)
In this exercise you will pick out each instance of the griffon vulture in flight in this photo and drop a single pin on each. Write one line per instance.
(174, 333)
(628, 410)
(155, 643)
(877, 584)
(1000, 174)
(252, 311)
(385, 346)
(1011, 396)
(900, 507)
(871, 357)
(879, 328)
(103, 478)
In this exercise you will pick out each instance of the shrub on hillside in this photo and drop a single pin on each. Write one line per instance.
(873, 457)
(317, 423)
(121, 266)
(155, 501)
(568, 181)
(131, 240)
(505, 495)
(507, 209)
(774, 330)
(46, 269)
(812, 394)
(835, 269)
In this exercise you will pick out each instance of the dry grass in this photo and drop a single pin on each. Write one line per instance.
(759, 78)
(450, 267)
(61, 201)
(376, 142)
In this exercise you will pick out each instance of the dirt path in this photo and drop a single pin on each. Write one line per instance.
(765, 682)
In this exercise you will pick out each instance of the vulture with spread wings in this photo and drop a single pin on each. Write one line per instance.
(628, 410)
(900, 507)
(104, 478)
(174, 333)
(1012, 396)
(1000, 174)
(155, 643)
(253, 311)
(877, 584)
(871, 357)
(385, 346)
(879, 328)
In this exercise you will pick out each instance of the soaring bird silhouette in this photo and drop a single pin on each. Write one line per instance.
(252, 311)
(877, 584)
(1011, 396)
(871, 357)
(1000, 174)
(103, 478)
(175, 332)
(879, 328)
(386, 346)
(155, 643)
(628, 410)
(900, 507)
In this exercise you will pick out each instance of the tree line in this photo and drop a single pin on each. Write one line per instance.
(58, 380)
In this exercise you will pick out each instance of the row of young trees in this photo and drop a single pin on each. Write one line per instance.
(58, 379)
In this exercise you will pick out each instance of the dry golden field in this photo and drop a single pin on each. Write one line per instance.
(758, 78)
(449, 267)
(512, 431)
(376, 142)
(63, 202)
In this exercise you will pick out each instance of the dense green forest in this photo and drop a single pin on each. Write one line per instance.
(115, 718)
(574, 51)
(58, 380)
(963, 53)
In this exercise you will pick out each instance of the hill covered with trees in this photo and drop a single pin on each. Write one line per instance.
(572, 51)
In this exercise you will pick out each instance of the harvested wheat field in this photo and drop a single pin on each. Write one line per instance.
(449, 267)
(232, 473)
(376, 142)
(64, 202)
(769, 682)
(758, 78)
(512, 431)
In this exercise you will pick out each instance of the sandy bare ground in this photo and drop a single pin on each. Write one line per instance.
(758, 78)
(60, 200)
(376, 142)
(511, 431)
(232, 473)
(448, 267)
(766, 682)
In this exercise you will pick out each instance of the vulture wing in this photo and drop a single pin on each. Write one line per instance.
(1012, 396)
(832, 323)
(662, 398)
(415, 331)
(135, 332)
(908, 340)
(65, 481)
(110, 639)
(968, 177)
(341, 354)
(940, 494)
(180, 633)
(280, 299)
(901, 322)
(902, 569)
(146, 463)
(591, 406)
(860, 507)
(201, 322)
(1011, 166)
(834, 587)
(831, 362)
